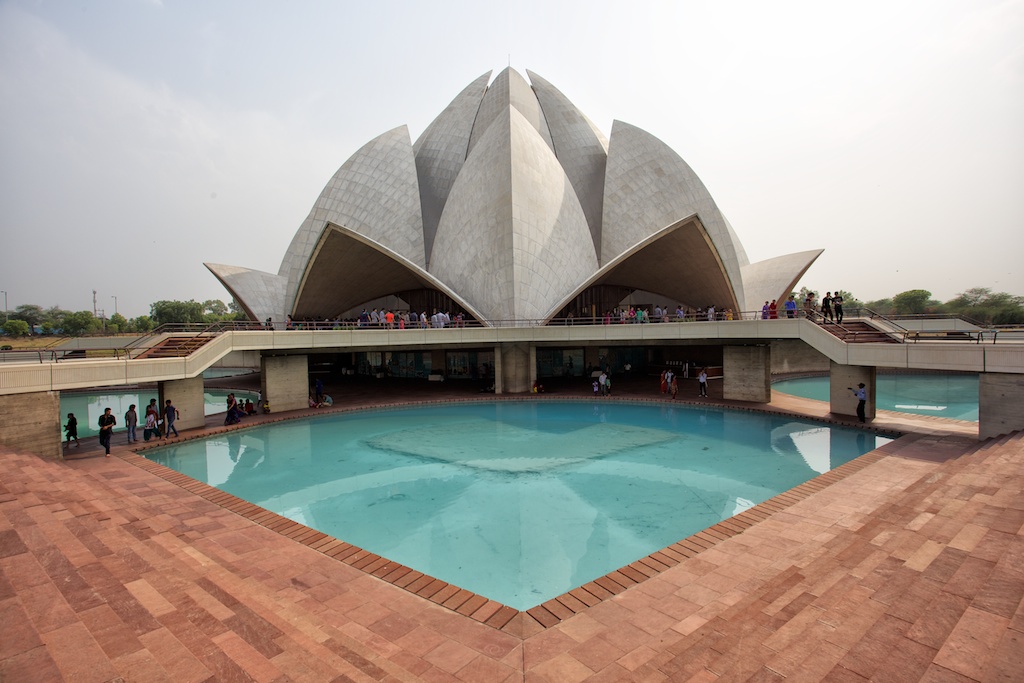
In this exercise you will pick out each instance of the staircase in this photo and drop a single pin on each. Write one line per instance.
(177, 347)
(859, 332)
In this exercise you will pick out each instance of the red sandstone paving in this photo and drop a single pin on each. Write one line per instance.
(910, 568)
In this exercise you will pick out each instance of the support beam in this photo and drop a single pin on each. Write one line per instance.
(841, 399)
(512, 363)
(747, 373)
(1000, 404)
(284, 382)
(31, 423)
(187, 396)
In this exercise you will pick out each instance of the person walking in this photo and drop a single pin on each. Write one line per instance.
(170, 415)
(131, 421)
(862, 398)
(837, 306)
(826, 308)
(106, 423)
(72, 429)
(702, 382)
(673, 387)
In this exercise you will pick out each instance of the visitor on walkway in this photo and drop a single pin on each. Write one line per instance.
(862, 399)
(72, 429)
(702, 382)
(150, 428)
(131, 421)
(106, 423)
(170, 415)
(837, 305)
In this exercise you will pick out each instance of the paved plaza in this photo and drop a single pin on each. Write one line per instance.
(906, 565)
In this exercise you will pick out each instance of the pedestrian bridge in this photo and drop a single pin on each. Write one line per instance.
(133, 366)
(854, 357)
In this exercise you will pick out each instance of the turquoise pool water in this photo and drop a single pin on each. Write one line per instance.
(953, 396)
(88, 407)
(518, 501)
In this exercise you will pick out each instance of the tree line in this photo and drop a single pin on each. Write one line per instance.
(32, 319)
(978, 304)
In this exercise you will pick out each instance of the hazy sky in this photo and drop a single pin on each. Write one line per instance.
(140, 139)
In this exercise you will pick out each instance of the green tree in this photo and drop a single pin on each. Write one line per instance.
(16, 328)
(237, 312)
(117, 323)
(142, 324)
(913, 301)
(981, 304)
(190, 311)
(883, 306)
(30, 313)
(77, 324)
(215, 307)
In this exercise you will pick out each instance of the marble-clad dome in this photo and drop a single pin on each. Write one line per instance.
(512, 205)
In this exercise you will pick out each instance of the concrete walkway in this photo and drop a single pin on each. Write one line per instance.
(909, 566)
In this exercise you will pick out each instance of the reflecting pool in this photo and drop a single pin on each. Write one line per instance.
(518, 501)
(88, 407)
(953, 396)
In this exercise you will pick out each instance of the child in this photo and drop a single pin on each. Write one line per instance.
(72, 429)
(595, 387)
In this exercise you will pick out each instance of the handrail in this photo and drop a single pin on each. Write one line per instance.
(874, 314)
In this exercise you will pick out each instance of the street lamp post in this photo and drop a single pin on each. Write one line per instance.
(5, 305)
(114, 297)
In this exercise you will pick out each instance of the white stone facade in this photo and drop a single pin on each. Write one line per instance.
(511, 203)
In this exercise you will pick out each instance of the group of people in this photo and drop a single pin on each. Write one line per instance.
(154, 425)
(831, 307)
(669, 383)
(603, 384)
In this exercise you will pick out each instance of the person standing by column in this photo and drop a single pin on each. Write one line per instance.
(702, 382)
(72, 429)
(131, 421)
(170, 415)
(862, 398)
(106, 423)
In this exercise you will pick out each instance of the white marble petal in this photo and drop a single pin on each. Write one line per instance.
(510, 236)
(440, 152)
(648, 187)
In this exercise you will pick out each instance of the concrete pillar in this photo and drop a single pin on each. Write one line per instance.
(31, 423)
(498, 384)
(512, 361)
(285, 382)
(187, 396)
(438, 365)
(841, 399)
(1000, 404)
(747, 373)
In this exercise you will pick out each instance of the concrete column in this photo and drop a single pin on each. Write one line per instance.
(285, 382)
(747, 373)
(31, 423)
(513, 362)
(187, 396)
(1000, 404)
(498, 384)
(438, 364)
(841, 399)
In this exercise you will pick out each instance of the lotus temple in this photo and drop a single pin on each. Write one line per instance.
(517, 216)
(513, 206)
